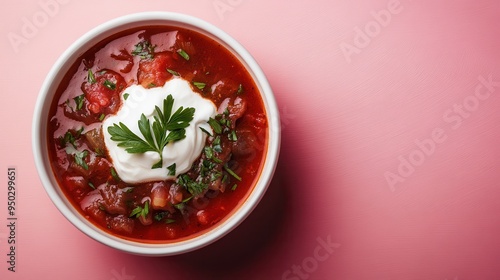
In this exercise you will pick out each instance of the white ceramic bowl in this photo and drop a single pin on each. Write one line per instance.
(40, 121)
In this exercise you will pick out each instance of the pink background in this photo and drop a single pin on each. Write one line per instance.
(354, 109)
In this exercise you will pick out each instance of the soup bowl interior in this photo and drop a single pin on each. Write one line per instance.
(41, 120)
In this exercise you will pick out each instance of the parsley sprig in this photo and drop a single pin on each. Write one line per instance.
(166, 128)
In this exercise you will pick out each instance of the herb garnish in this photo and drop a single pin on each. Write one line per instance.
(184, 54)
(79, 100)
(193, 187)
(232, 173)
(80, 159)
(70, 138)
(199, 85)
(140, 211)
(175, 73)
(171, 169)
(215, 125)
(91, 77)
(109, 84)
(166, 128)
(144, 50)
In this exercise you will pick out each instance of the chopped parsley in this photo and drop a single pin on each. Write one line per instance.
(231, 172)
(109, 84)
(199, 85)
(140, 211)
(91, 77)
(144, 50)
(175, 73)
(79, 101)
(215, 125)
(80, 159)
(184, 54)
(240, 89)
(171, 169)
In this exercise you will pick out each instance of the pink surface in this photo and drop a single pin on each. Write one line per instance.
(389, 158)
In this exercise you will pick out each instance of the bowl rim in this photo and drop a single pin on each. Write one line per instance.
(45, 173)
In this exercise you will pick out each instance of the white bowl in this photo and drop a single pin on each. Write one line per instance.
(40, 122)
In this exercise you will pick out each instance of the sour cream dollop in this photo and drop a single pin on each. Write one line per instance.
(137, 100)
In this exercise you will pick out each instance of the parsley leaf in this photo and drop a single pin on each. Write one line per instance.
(171, 169)
(232, 173)
(144, 50)
(80, 159)
(184, 54)
(91, 77)
(215, 125)
(199, 85)
(193, 187)
(175, 73)
(140, 211)
(166, 128)
(109, 84)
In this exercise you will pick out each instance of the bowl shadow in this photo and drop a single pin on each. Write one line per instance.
(242, 246)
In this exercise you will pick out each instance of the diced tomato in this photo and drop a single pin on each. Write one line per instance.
(103, 94)
(153, 72)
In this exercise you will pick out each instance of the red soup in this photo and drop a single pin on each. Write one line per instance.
(185, 204)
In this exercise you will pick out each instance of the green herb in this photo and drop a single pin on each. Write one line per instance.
(216, 144)
(232, 173)
(155, 135)
(169, 221)
(234, 187)
(240, 89)
(215, 175)
(109, 84)
(140, 211)
(68, 138)
(128, 190)
(175, 73)
(80, 159)
(159, 216)
(171, 169)
(217, 160)
(182, 53)
(206, 131)
(199, 85)
(91, 77)
(193, 187)
(101, 117)
(151, 85)
(232, 136)
(91, 185)
(99, 152)
(114, 174)
(181, 205)
(215, 125)
(79, 100)
(144, 50)
(125, 96)
(209, 152)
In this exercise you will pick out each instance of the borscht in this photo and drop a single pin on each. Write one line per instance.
(156, 134)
